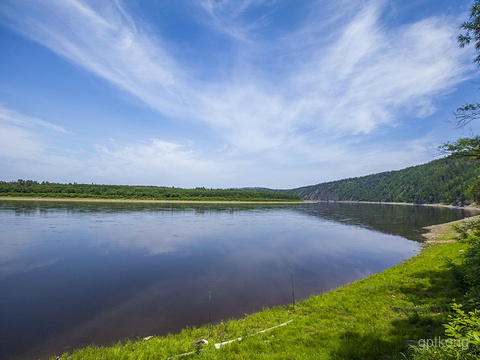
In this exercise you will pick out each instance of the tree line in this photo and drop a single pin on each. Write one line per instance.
(45, 189)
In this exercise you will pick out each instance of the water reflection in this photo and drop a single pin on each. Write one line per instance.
(77, 273)
(407, 221)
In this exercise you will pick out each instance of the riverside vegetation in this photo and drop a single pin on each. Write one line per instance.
(395, 314)
(45, 189)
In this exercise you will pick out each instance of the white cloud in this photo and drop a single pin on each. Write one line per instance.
(103, 39)
(18, 143)
(353, 85)
(226, 16)
(290, 98)
(373, 76)
(12, 117)
(155, 162)
(20, 135)
(370, 77)
(29, 153)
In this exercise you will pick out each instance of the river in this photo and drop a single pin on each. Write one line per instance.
(72, 274)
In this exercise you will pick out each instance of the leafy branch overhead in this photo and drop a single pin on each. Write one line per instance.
(472, 30)
(468, 147)
(464, 147)
(466, 114)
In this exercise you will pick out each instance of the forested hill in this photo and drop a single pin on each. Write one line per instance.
(447, 180)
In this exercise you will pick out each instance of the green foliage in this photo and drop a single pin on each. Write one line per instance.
(463, 147)
(463, 342)
(472, 30)
(469, 271)
(467, 228)
(463, 327)
(472, 269)
(465, 114)
(30, 188)
(447, 180)
(468, 147)
(473, 191)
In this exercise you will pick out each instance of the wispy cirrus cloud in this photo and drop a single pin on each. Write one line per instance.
(361, 78)
(103, 39)
(226, 16)
(289, 96)
(370, 74)
(19, 134)
(12, 117)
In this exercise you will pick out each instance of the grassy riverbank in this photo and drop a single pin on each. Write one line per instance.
(375, 318)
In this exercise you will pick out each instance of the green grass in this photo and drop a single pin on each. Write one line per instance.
(370, 319)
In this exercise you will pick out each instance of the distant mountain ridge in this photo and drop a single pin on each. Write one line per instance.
(446, 180)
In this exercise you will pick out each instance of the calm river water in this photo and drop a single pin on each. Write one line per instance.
(72, 274)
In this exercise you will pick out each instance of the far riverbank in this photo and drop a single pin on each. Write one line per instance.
(467, 207)
(147, 201)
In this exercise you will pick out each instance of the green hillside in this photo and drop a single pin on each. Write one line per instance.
(445, 181)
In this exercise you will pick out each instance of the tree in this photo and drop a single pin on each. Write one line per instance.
(472, 30)
(464, 147)
(470, 112)
(469, 147)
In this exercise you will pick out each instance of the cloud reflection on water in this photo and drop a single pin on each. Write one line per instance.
(97, 273)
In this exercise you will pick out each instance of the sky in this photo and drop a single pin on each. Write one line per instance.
(228, 93)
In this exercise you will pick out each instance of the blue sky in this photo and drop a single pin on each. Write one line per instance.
(228, 93)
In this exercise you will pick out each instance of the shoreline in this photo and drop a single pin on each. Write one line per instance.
(148, 201)
(376, 304)
(467, 207)
(436, 232)
(6, 198)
